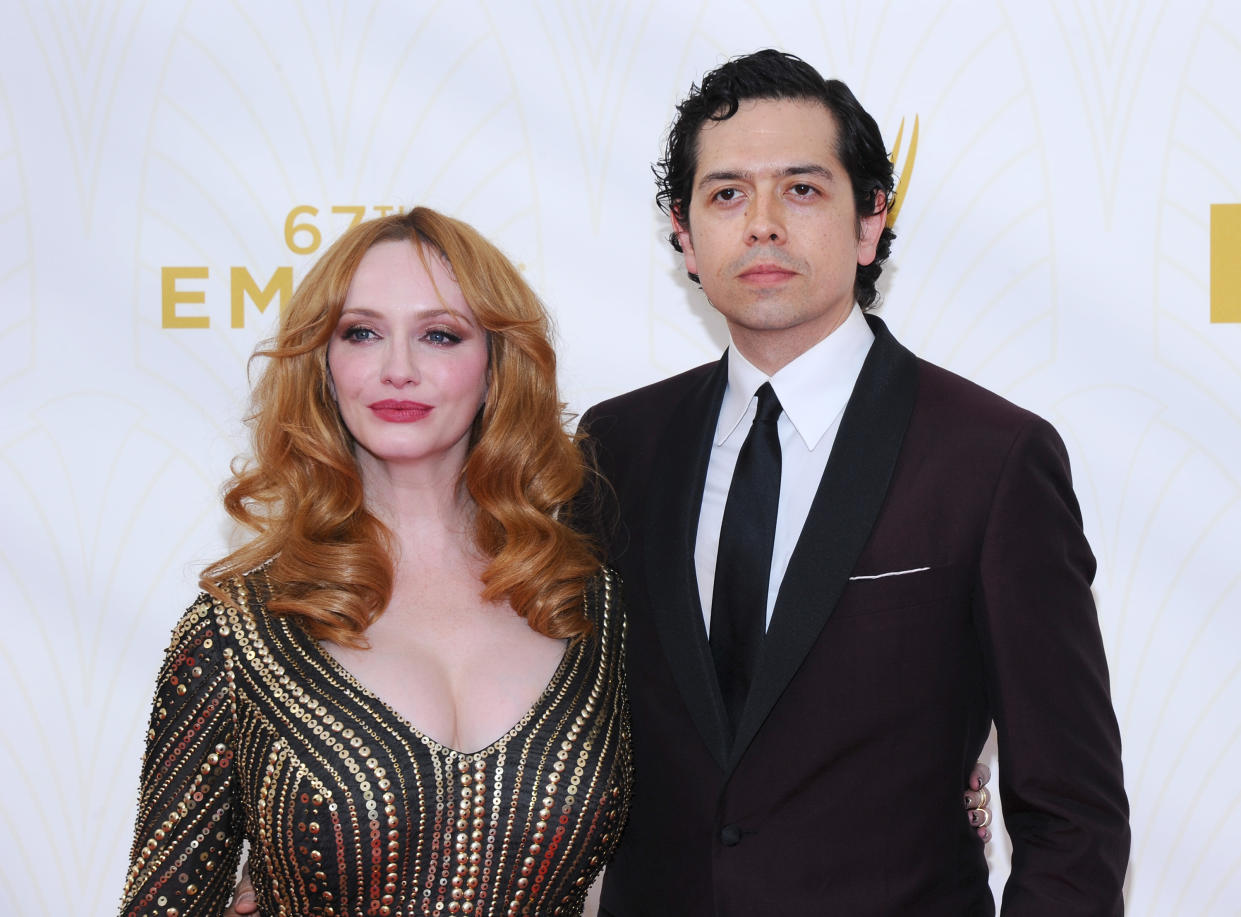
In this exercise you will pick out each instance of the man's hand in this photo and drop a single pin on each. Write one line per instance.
(977, 803)
(243, 895)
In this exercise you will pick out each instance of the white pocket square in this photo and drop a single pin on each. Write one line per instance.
(891, 573)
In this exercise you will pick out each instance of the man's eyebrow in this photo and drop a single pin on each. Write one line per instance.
(725, 175)
(812, 168)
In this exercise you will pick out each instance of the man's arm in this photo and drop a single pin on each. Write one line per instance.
(1060, 768)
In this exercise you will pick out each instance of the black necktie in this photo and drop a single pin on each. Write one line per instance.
(743, 563)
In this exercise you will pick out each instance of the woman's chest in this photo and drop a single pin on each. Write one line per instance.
(349, 807)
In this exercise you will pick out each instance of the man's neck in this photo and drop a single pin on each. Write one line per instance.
(770, 350)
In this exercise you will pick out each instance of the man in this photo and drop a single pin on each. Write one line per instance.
(813, 670)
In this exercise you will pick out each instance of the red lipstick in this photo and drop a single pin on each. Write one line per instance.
(395, 411)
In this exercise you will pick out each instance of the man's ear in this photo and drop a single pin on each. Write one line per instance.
(681, 227)
(870, 228)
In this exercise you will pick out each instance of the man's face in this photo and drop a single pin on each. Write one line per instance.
(773, 233)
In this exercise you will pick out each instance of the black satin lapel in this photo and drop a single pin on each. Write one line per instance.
(669, 529)
(841, 517)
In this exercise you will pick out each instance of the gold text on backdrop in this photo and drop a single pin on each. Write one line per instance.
(302, 236)
(1226, 262)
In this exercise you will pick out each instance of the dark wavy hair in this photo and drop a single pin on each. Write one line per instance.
(771, 74)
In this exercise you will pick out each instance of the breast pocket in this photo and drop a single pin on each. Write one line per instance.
(881, 591)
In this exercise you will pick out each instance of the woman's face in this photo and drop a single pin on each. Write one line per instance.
(408, 362)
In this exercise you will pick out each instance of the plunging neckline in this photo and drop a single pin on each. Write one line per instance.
(432, 742)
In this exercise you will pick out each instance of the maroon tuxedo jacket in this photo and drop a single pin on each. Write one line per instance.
(841, 793)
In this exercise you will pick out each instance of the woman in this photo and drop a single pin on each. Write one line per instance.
(406, 690)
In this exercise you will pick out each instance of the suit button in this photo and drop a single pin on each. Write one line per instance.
(730, 835)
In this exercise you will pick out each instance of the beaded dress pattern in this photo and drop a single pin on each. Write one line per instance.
(258, 733)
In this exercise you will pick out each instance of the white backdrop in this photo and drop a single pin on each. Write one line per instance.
(1054, 245)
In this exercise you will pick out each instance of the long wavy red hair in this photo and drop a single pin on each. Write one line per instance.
(300, 490)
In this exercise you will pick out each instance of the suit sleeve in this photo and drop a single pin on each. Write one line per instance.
(189, 827)
(596, 508)
(1061, 784)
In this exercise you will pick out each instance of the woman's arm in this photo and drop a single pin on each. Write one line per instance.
(189, 827)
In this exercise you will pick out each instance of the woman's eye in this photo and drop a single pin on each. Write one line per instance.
(442, 336)
(359, 333)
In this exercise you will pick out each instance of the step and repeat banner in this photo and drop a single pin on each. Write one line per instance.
(1069, 236)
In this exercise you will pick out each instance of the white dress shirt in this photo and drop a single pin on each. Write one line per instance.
(813, 390)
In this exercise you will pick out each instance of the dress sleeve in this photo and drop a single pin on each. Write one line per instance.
(1060, 765)
(189, 827)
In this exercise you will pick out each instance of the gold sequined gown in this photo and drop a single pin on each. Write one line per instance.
(258, 733)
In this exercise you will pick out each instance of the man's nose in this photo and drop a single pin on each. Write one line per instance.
(765, 221)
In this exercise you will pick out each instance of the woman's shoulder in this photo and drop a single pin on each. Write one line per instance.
(603, 602)
(205, 643)
(606, 579)
(247, 593)
(228, 605)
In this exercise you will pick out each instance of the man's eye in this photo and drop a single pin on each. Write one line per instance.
(726, 194)
(802, 190)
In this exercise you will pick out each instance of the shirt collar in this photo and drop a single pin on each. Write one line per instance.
(813, 389)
